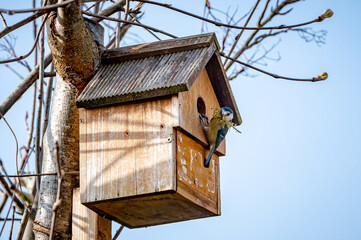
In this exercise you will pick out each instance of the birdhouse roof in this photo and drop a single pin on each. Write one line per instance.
(157, 69)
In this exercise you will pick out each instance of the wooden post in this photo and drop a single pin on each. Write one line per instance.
(86, 224)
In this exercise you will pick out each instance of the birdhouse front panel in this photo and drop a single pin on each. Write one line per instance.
(202, 90)
(142, 146)
(127, 150)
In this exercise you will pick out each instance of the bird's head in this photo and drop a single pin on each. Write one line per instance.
(227, 114)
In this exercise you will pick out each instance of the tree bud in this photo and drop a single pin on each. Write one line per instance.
(322, 76)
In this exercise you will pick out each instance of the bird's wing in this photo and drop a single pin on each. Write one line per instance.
(221, 134)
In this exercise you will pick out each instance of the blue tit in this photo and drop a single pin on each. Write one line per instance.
(216, 129)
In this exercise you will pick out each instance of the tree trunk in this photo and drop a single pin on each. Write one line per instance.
(64, 128)
(76, 56)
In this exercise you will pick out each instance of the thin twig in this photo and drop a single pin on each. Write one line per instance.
(21, 23)
(8, 192)
(153, 34)
(33, 47)
(240, 34)
(4, 171)
(15, 219)
(220, 24)
(116, 235)
(39, 110)
(17, 150)
(7, 215)
(3, 201)
(117, 32)
(42, 9)
(32, 76)
(115, 7)
(12, 223)
(314, 79)
(39, 174)
(49, 90)
(126, 11)
(263, 13)
(3, 20)
(23, 87)
(58, 194)
(14, 71)
(130, 22)
(261, 23)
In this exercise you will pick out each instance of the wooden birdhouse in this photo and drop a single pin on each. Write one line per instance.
(142, 147)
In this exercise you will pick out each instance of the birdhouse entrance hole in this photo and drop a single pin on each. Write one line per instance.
(201, 106)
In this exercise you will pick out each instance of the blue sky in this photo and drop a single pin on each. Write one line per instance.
(294, 172)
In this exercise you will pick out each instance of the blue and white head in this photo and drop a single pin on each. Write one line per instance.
(227, 113)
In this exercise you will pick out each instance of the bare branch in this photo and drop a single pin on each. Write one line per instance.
(16, 153)
(12, 223)
(58, 194)
(39, 110)
(274, 12)
(9, 46)
(263, 12)
(15, 219)
(21, 23)
(219, 24)
(116, 235)
(321, 77)
(118, 6)
(126, 10)
(30, 79)
(7, 215)
(3, 20)
(240, 34)
(48, 102)
(48, 8)
(7, 190)
(3, 201)
(117, 32)
(130, 22)
(33, 47)
(307, 34)
(23, 86)
(40, 174)
(14, 71)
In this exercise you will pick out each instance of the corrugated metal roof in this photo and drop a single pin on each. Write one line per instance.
(155, 75)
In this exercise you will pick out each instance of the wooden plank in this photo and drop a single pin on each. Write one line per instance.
(158, 48)
(86, 224)
(82, 153)
(151, 210)
(195, 182)
(129, 149)
(189, 118)
(222, 87)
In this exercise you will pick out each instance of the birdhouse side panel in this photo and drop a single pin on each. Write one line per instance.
(86, 224)
(195, 182)
(129, 150)
(189, 118)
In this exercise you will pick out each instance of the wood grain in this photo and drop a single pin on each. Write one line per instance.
(86, 224)
(189, 118)
(195, 182)
(221, 86)
(158, 48)
(128, 150)
(151, 210)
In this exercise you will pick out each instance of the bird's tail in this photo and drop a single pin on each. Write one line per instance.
(206, 163)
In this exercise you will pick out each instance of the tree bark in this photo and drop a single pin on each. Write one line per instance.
(76, 55)
(64, 128)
